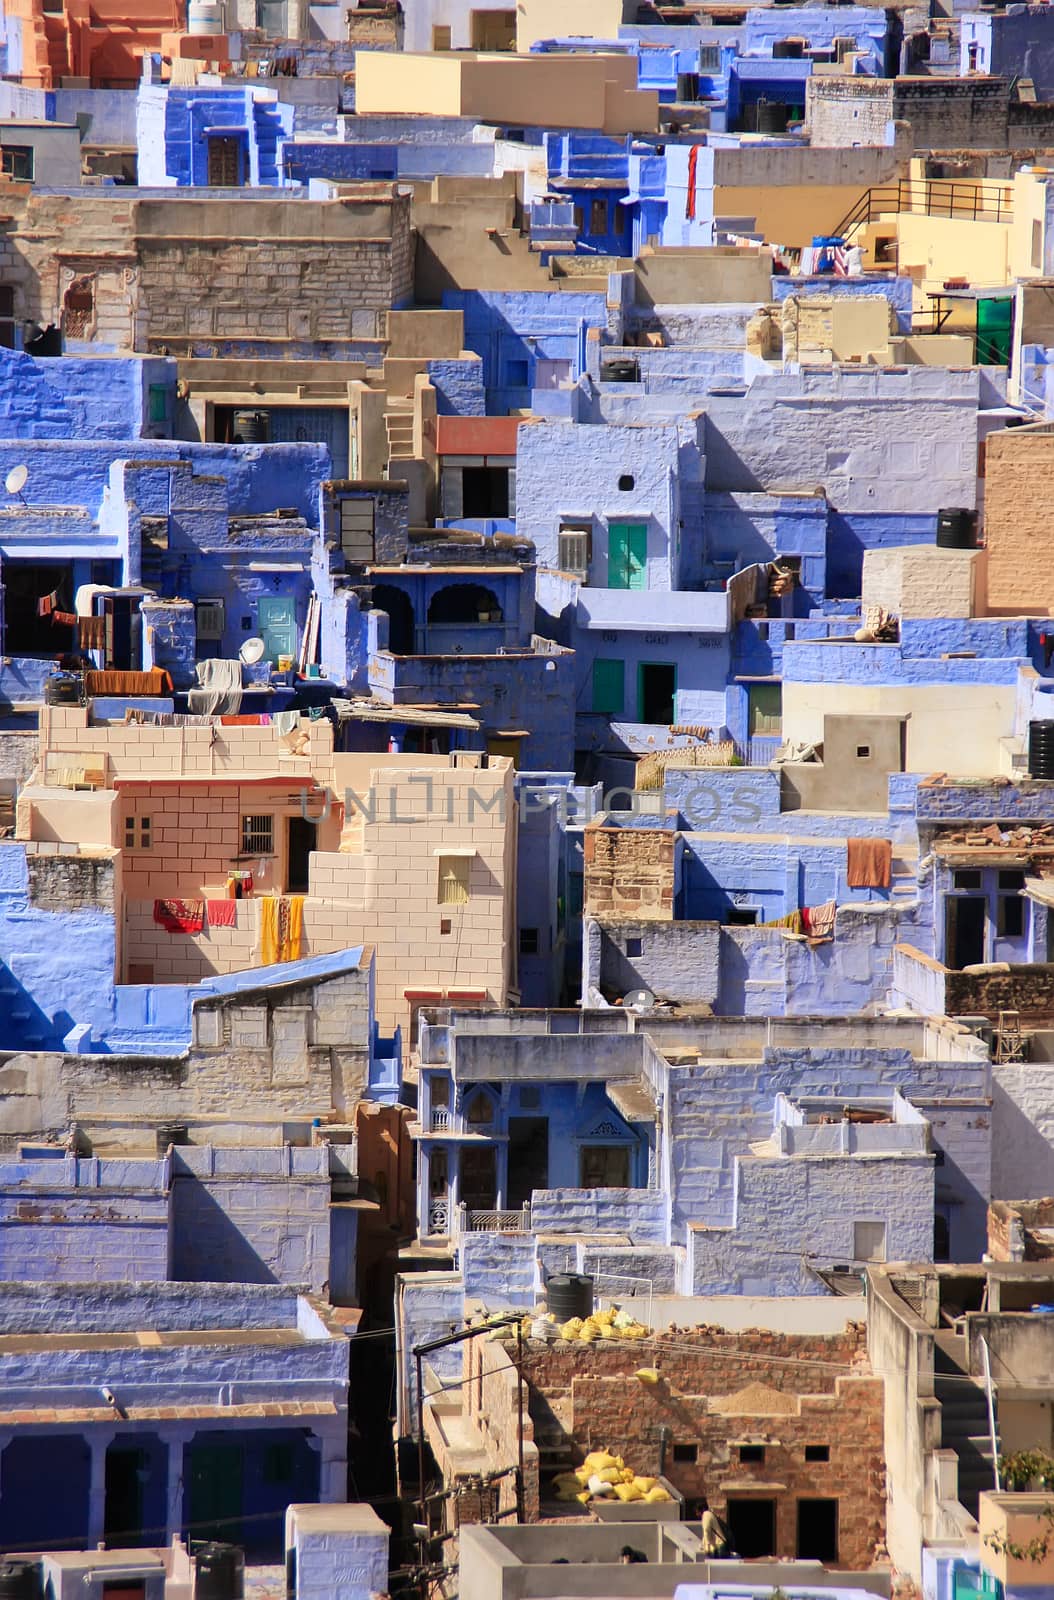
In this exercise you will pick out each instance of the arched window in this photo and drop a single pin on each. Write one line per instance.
(464, 603)
(479, 1112)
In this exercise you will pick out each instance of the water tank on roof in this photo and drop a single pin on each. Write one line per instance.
(20, 1580)
(569, 1294)
(205, 17)
(956, 528)
(1041, 749)
(219, 1572)
(772, 116)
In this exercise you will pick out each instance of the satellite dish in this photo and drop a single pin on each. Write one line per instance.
(640, 999)
(15, 481)
(252, 651)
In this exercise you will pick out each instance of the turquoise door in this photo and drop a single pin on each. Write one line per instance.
(277, 618)
(627, 555)
(609, 687)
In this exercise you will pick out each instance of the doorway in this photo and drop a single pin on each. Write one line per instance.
(965, 916)
(479, 1177)
(485, 492)
(400, 612)
(656, 692)
(301, 840)
(817, 1530)
(224, 162)
(493, 30)
(528, 1158)
(627, 555)
(752, 1527)
(214, 1491)
(604, 1166)
(277, 622)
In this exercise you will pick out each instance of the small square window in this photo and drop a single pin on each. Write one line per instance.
(1010, 916)
(528, 941)
(742, 917)
(817, 1452)
(453, 880)
(634, 947)
(1012, 880)
(517, 375)
(686, 1453)
(530, 1097)
(752, 1452)
(444, 924)
(863, 752)
(257, 836)
(966, 880)
(626, 482)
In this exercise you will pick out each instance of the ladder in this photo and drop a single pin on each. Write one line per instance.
(1009, 1043)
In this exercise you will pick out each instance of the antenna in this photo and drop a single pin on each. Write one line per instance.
(15, 481)
(639, 999)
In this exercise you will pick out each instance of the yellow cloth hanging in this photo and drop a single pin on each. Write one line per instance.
(294, 934)
(268, 930)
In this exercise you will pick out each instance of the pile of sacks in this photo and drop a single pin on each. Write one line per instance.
(603, 1476)
(609, 1324)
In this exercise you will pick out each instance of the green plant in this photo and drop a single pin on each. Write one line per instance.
(1020, 1468)
(1036, 1549)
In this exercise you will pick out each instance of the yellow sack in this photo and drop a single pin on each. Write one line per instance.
(627, 1474)
(644, 1484)
(597, 1460)
(584, 1498)
(609, 1475)
(582, 1475)
(627, 1493)
(657, 1496)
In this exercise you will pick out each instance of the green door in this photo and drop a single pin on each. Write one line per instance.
(627, 555)
(609, 687)
(214, 1491)
(994, 328)
(277, 618)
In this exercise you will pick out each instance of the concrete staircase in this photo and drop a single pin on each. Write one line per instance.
(904, 882)
(399, 427)
(964, 1418)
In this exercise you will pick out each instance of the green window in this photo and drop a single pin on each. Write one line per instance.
(609, 687)
(158, 402)
(627, 555)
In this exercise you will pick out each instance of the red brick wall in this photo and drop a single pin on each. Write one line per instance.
(826, 1396)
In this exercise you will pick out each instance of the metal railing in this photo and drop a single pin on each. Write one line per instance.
(965, 199)
(496, 1221)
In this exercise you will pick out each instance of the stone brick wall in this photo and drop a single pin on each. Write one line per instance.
(1019, 495)
(1029, 990)
(843, 111)
(629, 872)
(921, 581)
(956, 114)
(717, 1390)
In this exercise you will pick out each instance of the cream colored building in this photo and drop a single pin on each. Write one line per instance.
(552, 91)
(414, 855)
(587, 19)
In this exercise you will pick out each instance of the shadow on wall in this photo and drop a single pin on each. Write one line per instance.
(26, 1025)
(208, 1246)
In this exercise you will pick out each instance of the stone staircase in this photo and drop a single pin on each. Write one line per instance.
(399, 427)
(964, 1418)
(904, 882)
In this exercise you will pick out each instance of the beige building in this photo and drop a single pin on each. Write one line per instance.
(414, 855)
(588, 19)
(552, 91)
(1018, 502)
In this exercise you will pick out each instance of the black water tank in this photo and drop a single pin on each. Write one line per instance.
(773, 116)
(219, 1572)
(569, 1294)
(20, 1580)
(788, 50)
(956, 528)
(63, 689)
(1041, 749)
(252, 427)
(620, 371)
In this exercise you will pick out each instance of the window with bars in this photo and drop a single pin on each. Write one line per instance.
(137, 833)
(709, 58)
(453, 880)
(208, 619)
(257, 836)
(357, 530)
(573, 548)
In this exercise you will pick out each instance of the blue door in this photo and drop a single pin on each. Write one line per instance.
(277, 619)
